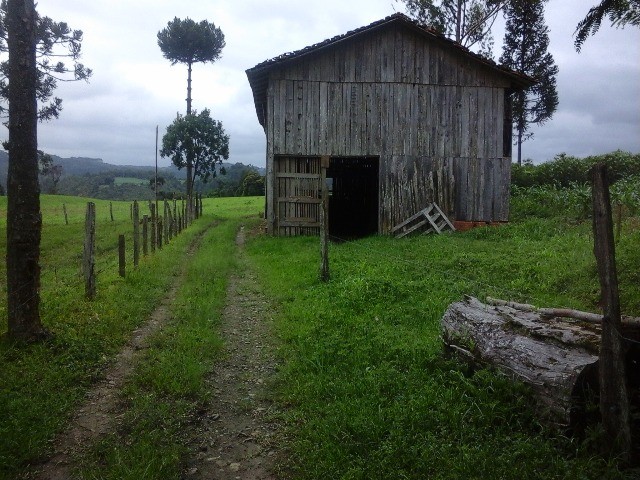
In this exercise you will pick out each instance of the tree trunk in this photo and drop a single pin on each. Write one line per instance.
(459, 17)
(189, 159)
(519, 146)
(23, 210)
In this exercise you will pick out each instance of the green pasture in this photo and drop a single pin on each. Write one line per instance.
(369, 391)
(41, 384)
(364, 386)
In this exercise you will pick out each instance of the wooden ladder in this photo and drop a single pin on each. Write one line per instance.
(431, 217)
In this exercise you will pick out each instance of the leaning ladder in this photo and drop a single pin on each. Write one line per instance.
(431, 217)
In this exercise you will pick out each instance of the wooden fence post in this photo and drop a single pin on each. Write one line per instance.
(136, 233)
(145, 235)
(89, 261)
(614, 400)
(66, 218)
(160, 233)
(111, 210)
(324, 223)
(165, 223)
(201, 205)
(184, 216)
(175, 218)
(153, 227)
(121, 255)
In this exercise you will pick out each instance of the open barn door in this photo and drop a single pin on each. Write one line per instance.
(298, 193)
(353, 196)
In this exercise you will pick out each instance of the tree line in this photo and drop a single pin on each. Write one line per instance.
(237, 180)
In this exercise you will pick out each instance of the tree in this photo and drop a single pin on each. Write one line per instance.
(54, 41)
(251, 184)
(525, 49)
(156, 183)
(468, 22)
(188, 42)
(197, 137)
(23, 207)
(51, 171)
(620, 13)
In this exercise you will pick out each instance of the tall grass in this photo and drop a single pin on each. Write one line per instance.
(371, 394)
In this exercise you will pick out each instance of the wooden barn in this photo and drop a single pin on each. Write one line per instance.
(385, 119)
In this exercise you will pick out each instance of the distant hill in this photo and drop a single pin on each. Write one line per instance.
(84, 166)
(89, 168)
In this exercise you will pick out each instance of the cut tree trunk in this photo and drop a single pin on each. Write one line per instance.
(556, 357)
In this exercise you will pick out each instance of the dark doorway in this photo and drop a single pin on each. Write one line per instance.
(353, 196)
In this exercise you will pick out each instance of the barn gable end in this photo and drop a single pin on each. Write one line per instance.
(432, 114)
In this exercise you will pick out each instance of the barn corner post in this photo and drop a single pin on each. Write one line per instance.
(614, 400)
(324, 221)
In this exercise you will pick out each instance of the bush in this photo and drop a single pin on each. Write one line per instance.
(565, 170)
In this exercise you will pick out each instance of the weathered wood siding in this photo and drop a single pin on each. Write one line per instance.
(432, 116)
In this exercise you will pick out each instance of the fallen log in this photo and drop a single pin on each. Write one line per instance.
(557, 358)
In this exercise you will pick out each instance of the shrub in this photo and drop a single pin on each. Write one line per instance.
(565, 170)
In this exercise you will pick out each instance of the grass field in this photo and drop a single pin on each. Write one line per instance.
(372, 395)
(366, 389)
(41, 384)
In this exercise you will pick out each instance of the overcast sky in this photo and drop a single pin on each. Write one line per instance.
(133, 88)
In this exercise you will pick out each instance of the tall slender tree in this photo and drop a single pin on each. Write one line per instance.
(525, 49)
(188, 42)
(23, 207)
(36, 47)
(468, 22)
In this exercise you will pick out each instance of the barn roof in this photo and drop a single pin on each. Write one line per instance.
(258, 76)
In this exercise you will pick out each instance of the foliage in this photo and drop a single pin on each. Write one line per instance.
(50, 171)
(548, 201)
(55, 41)
(369, 391)
(468, 22)
(251, 184)
(619, 12)
(188, 42)
(562, 187)
(565, 170)
(199, 138)
(525, 50)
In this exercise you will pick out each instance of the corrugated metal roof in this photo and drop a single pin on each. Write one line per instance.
(258, 75)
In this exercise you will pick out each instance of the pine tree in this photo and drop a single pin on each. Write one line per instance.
(188, 42)
(525, 49)
(468, 22)
(620, 13)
